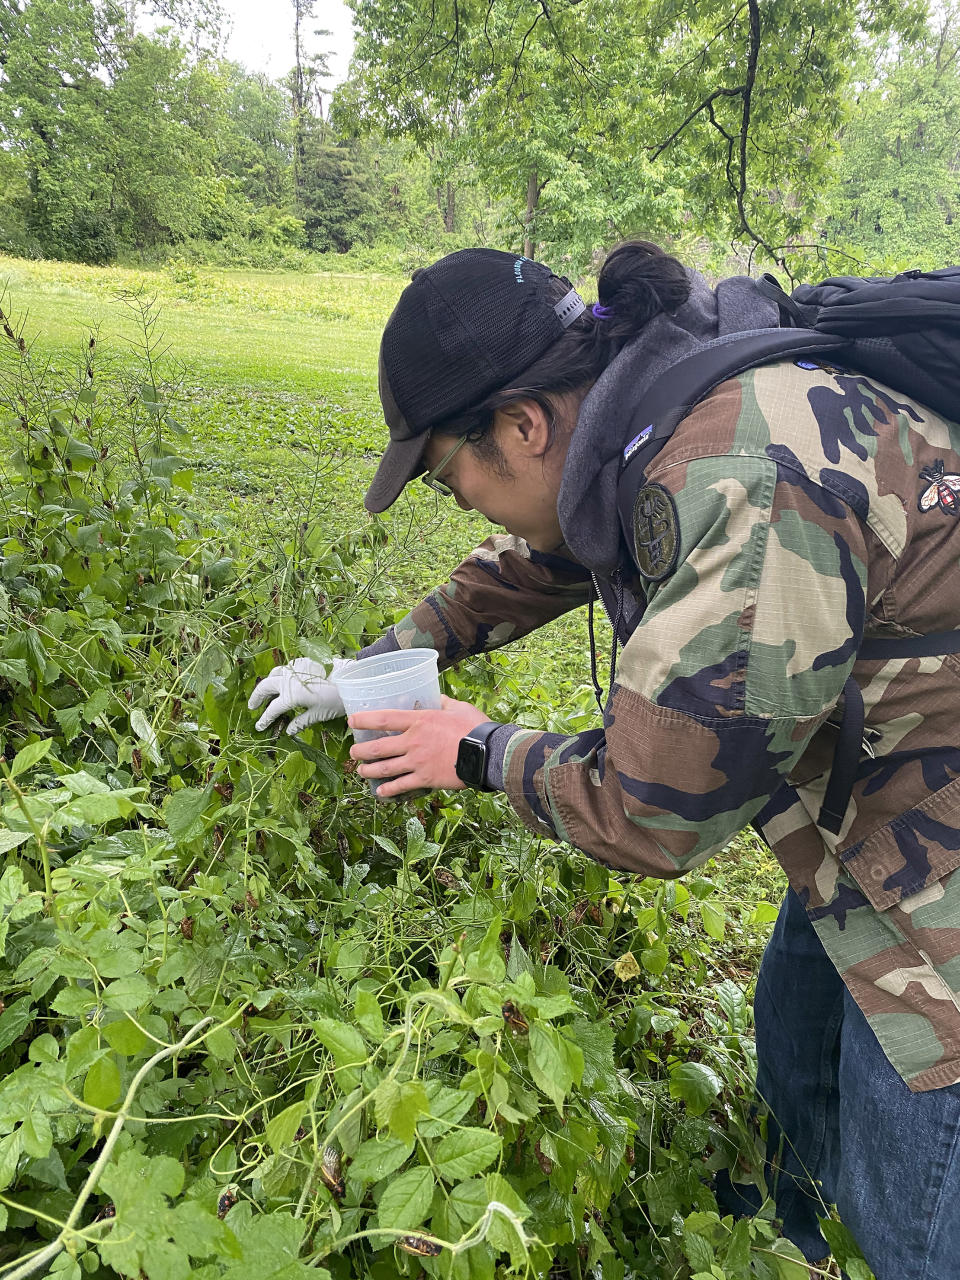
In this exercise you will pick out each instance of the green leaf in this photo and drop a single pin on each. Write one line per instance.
(12, 886)
(466, 1152)
(125, 1038)
(70, 720)
(655, 959)
(281, 1129)
(447, 1107)
(37, 1135)
(790, 1261)
(44, 1049)
(74, 1002)
(11, 839)
(220, 1043)
(11, 1147)
(183, 812)
(144, 731)
(595, 1041)
(29, 756)
(101, 1088)
(699, 1251)
(83, 784)
(406, 1200)
(270, 1245)
(502, 1232)
(151, 1235)
(696, 1084)
(15, 670)
(99, 809)
(733, 1002)
(714, 920)
(764, 913)
(347, 1046)
(469, 1201)
(400, 1106)
(127, 994)
(487, 964)
(555, 1063)
(366, 1010)
(845, 1249)
(662, 1196)
(14, 1020)
(377, 1158)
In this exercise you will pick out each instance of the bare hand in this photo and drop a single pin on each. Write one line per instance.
(424, 751)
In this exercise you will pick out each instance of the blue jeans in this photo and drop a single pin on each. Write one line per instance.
(888, 1158)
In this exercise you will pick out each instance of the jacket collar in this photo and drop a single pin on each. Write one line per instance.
(587, 502)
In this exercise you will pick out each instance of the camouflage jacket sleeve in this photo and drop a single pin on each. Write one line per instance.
(739, 658)
(502, 591)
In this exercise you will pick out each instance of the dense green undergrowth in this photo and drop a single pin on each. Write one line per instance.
(256, 1025)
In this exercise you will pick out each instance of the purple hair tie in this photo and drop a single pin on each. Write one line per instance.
(600, 312)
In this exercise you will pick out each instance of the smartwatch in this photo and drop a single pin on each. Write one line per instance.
(471, 764)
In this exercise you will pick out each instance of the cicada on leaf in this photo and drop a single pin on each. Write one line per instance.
(420, 1246)
(226, 1202)
(514, 1019)
(331, 1172)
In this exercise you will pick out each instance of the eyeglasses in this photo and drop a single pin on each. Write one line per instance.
(431, 477)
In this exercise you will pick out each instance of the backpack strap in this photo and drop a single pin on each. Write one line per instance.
(683, 385)
(846, 758)
(665, 404)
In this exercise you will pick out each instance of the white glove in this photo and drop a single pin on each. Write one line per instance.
(301, 683)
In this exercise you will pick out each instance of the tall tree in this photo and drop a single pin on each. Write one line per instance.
(115, 131)
(310, 70)
(51, 114)
(896, 198)
(258, 151)
(594, 115)
(164, 117)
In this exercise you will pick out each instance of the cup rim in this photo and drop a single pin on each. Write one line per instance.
(351, 674)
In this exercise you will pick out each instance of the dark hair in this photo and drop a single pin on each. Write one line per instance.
(638, 281)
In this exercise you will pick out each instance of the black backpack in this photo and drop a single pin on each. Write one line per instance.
(903, 331)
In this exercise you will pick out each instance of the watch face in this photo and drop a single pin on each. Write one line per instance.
(471, 762)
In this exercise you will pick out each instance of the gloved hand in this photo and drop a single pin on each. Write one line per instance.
(301, 683)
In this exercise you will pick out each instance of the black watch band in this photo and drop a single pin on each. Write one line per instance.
(472, 756)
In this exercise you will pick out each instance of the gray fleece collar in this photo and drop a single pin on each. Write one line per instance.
(587, 504)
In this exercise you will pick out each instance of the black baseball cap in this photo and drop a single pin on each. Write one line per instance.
(463, 327)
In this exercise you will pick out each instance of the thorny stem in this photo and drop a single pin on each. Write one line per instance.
(69, 1233)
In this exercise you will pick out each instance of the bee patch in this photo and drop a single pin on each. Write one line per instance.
(656, 532)
(941, 491)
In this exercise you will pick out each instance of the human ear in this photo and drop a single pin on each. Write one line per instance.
(524, 427)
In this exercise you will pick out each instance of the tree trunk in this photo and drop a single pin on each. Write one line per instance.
(533, 196)
(450, 213)
(300, 10)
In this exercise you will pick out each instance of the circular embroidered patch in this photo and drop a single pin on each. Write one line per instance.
(656, 532)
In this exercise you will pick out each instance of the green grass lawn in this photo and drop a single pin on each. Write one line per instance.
(276, 384)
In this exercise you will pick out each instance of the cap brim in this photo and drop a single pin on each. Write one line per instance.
(402, 461)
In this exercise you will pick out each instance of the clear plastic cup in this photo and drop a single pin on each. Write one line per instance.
(406, 680)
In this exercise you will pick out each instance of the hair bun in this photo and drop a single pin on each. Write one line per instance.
(639, 281)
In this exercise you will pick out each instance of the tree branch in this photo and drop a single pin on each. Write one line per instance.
(659, 148)
(753, 59)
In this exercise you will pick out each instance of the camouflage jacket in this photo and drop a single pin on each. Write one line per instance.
(810, 508)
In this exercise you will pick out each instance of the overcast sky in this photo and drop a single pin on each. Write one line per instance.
(262, 37)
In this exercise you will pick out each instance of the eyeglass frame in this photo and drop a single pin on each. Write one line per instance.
(430, 479)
